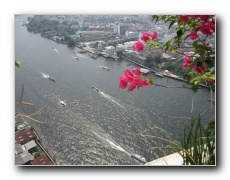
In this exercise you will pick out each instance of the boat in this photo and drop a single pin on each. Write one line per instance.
(103, 67)
(77, 58)
(139, 158)
(144, 71)
(50, 78)
(62, 103)
(93, 87)
(159, 75)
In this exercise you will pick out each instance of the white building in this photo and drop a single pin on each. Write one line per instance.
(129, 45)
(130, 34)
(120, 47)
(109, 51)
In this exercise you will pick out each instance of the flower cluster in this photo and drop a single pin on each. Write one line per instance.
(188, 63)
(133, 79)
(139, 45)
(206, 25)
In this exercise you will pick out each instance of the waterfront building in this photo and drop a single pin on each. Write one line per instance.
(120, 47)
(109, 51)
(129, 45)
(24, 137)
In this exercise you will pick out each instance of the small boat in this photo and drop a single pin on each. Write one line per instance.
(139, 158)
(62, 103)
(159, 75)
(144, 71)
(77, 58)
(93, 87)
(50, 78)
(105, 68)
(74, 52)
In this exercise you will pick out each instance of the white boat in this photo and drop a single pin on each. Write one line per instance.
(103, 67)
(139, 158)
(159, 75)
(62, 103)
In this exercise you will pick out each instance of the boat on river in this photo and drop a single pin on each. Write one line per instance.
(93, 87)
(139, 158)
(104, 67)
(159, 75)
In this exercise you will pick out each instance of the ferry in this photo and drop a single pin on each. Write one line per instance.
(93, 87)
(139, 158)
(159, 75)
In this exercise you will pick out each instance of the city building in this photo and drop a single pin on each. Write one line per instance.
(25, 137)
(130, 34)
(42, 160)
(109, 51)
(129, 45)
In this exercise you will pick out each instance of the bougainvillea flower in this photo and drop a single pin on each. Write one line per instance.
(207, 44)
(137, 71)
(205, 17)
(193, 35)
(138, 46)
(123, 82)
(144, 83)
(199, 69)
(187, 62)
(154, 35)
(184, 19)
(146, 36)
(134, 83)
(132, 80)
(207, 28)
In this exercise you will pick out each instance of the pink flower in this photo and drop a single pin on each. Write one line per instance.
(146, 36)
(184, 19)
(207, 28)
(207, 44)
(137, 71)
(199, 69)
(193, 35)
(123, 82)
(138, 46)
(132, 79)
(205, 17)
(187, 62)
(154, 35)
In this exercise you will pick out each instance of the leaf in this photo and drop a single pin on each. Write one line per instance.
(170, 25)
(179, 33)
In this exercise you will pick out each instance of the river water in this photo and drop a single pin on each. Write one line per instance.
(97, 128)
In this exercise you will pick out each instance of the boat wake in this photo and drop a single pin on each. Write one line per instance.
(112, 144)
(55, 50)
(45, 75)
(111, 99)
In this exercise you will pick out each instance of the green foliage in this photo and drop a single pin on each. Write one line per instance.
(198, 144)
(202, 54)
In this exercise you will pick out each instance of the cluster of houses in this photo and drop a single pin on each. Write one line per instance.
(28, 149)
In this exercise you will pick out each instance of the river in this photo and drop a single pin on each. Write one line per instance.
(97, 128)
